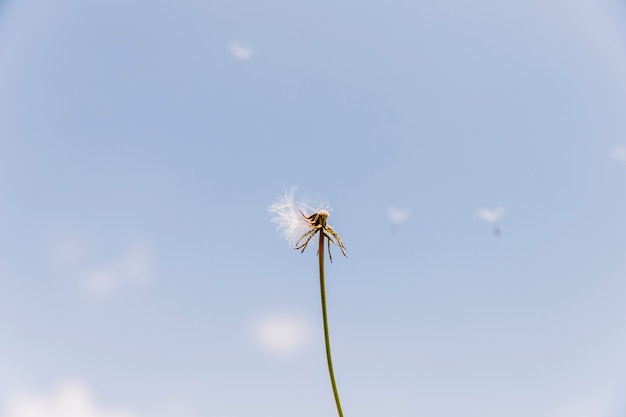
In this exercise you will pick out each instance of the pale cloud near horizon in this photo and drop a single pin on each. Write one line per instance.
(241, 52)
(599, 395)
(280, 334)
(397, 216)
(618, 153)
(70, 398)
(490, 215)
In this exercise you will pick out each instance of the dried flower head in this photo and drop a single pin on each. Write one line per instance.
(294, 219)
(296, 226)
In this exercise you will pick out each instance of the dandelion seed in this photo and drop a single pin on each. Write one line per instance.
(490, 216)
(397, 216)
(240, 52)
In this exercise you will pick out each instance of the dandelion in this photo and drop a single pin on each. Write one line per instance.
(293, 222)
(299, 219)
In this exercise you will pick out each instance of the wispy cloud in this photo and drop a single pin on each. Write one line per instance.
(280, 334)
(68, 399)
(490, 215)
(618, 153)
(71, 255)
(398, 216)
(241, 52)
(136, 265)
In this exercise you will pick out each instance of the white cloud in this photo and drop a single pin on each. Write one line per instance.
(597, 393)
(397, 216)
(583, 409)
(135, 266)
(69, 399)
(241, 52)
(70, 255)
(281, 334)
(489, 215)
(619, 153)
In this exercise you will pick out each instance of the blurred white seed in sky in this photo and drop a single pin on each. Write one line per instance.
(241, 52)
(619, 153)
(281, 334)
(397, 216)
(489, 215)
(135, 266)
(69, 399)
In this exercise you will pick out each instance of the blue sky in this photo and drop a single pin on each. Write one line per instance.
(142, 142)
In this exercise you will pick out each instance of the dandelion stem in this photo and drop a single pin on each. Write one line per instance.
(329, 359)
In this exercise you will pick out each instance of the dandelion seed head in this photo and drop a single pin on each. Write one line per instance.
(288, 215)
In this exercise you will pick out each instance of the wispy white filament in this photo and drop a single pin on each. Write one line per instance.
(287, 214)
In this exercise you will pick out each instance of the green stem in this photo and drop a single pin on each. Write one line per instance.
(325, 316)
